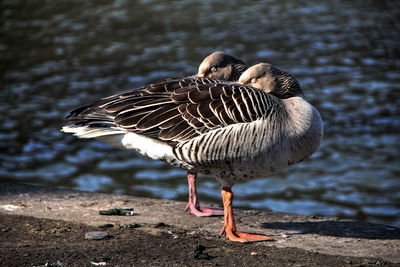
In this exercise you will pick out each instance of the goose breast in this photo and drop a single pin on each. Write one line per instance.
(239, 152)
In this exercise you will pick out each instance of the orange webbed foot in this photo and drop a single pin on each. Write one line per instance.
(243, 237)
(229, 228)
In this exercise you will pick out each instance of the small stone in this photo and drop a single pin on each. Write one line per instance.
(9, 207)
(52, 264)
(202, 256)
(253, 253)
(106, 225)
(96, 235)
(6, 229)
(199, 254)
(200, 248)
(101, 263)
(160, 225)
(131, 225)
(172, 234)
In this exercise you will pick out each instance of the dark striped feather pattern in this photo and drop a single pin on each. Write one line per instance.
(177, 110)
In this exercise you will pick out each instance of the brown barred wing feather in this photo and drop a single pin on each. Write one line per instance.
(179, 110)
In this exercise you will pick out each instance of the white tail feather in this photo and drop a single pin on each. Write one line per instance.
(125, 140)
(88, 132)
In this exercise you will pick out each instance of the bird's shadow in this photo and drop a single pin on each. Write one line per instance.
(351, 229)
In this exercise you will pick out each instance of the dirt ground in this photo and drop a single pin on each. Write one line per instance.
(29, 241)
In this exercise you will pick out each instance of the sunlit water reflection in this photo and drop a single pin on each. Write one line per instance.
(58, 55)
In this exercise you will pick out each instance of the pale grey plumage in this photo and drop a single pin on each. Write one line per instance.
(233, 131)
(283, 129)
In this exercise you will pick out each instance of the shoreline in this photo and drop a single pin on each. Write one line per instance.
(340, 241)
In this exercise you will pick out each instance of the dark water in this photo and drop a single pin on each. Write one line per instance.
(57, 55)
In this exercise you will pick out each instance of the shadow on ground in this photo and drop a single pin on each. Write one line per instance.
(350, 229)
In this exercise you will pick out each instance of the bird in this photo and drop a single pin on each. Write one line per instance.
(235, 131)
(221, 66)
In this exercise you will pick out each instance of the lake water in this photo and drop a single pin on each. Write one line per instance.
(57, 55)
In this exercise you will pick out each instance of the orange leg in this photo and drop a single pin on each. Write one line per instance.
(229, 228)
(193, 203)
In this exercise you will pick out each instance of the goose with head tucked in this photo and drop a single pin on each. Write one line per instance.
(221, 66)
(233, 131)
(216, 66)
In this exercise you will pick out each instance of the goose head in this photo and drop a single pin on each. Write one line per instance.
(219, 65)
(271, 80)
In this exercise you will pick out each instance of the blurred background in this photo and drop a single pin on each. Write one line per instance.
(57, 55)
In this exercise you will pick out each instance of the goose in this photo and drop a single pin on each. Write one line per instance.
(217, 65)
(233, 131)
(221, 66)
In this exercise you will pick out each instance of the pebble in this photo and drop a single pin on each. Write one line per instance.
(131, 225)
(53, 264)
(6, 229)
(159, 225)
(199, 254)
(9, 207)
(172, 234)
(253, 253)
(101, 263)
(96, 235)
(105, 225)
(285, 235)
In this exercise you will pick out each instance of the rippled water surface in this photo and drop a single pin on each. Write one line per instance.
(57, 55)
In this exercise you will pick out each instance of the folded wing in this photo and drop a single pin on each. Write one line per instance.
(177, 110)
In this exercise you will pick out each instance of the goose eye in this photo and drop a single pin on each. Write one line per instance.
(254, 80)
(213, 69)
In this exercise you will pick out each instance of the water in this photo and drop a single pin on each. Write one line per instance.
(58, 55)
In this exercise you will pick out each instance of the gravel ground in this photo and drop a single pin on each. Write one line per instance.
(28, 241)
